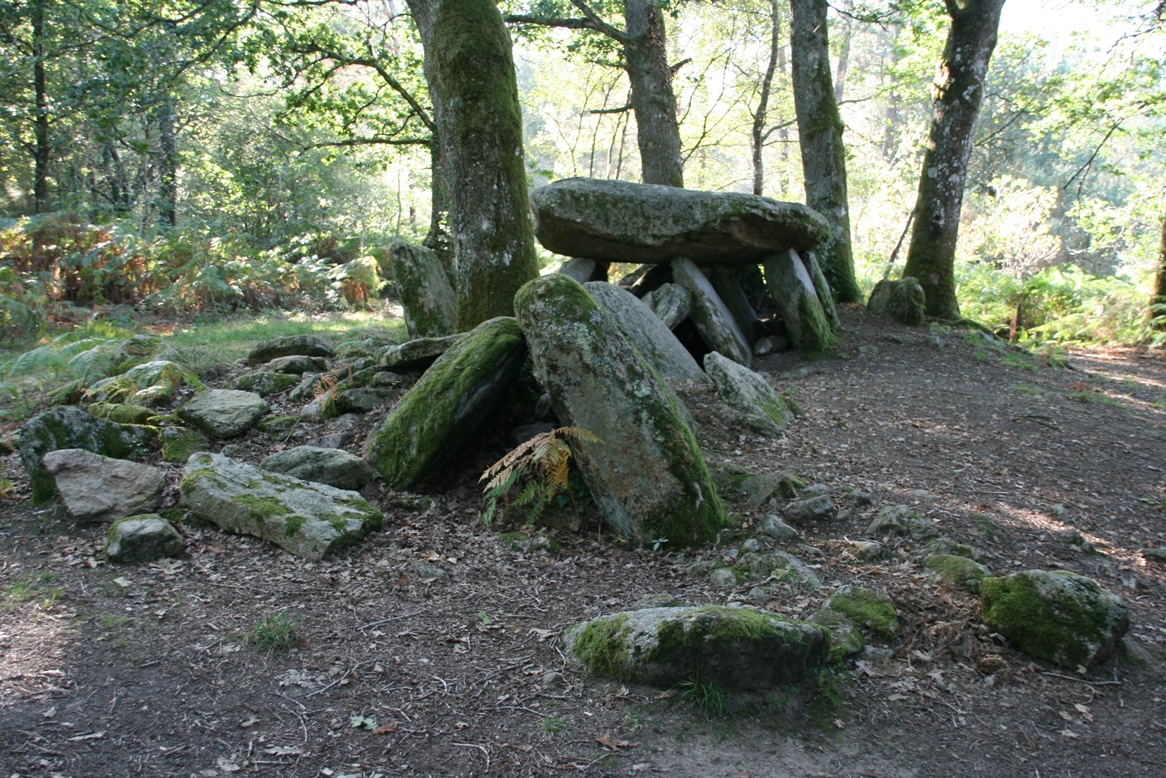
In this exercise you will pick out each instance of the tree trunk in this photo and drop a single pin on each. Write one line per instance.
(1158, 298)
(470, 71)
(843, 67)
(959, 91)
(42, 150)
(760, 115)
(168, 164)
(653, 100)
(820, 139)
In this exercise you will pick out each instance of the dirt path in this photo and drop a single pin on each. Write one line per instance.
(432, 648)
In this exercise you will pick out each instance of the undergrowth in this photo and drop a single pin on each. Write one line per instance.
(533, 475)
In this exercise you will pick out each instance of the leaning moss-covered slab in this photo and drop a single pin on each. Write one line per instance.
(426, 294)
(763, 409)
(1057, 616)
(792, 289)
(735, 648)
(646, 474)
(618, 221)
(306, 519)
(448, 405)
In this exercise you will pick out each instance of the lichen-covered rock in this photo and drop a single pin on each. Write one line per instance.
(417, 354)
(122, 413)
(265, 383)
(777, 529)
(70, 427)
(141, 538)
(1057, 616)
(763, 487)
(793, 291)
(153, 383)
(363, 400)
(727, 284)
(178, 443)
(332, 466)
(448, 405)
(619, 221)
(871, 610)
(309, 520)
(899, 300)
(713, 319)
(97, 488)
(810, 509)
(647, 475)
(296, 364)
(846, 638)
(763, 409)
(426, 295)
(289, 345)
(777, 567)
(671, 304)
(956, 570)
(734, 648)
(646, 332)
(894, 520)
(822, 288)
(223, 413)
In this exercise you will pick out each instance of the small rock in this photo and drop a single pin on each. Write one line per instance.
(305, 345)
(223, 413)
(956, 570)
(861, 499)
(97, 488)
(429, 572)
(777, 529)
(178, 443)
(1156, 554)
(867, 550)
(809, 510)
(872, 610)
(264, 383)
(331, 466)
(141, 538)
(751, 545)
(297, 364)
(892, 520)
(723, 576)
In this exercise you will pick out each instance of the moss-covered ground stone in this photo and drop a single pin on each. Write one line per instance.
(900, 300)
(1057, 616)
(141, 538)
(956, 570)
(869, 609)
(309, 520)
(647, 476)
(448, 405)
(734, 648)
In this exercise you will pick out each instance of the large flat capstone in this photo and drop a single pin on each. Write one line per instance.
(617, 221)
(309, 520)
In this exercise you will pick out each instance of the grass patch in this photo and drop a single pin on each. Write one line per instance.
(28, 588)
(1020, 361)
(274, 632)
(1028, 389)
(708, 698)
(552, 725)
(1093, 398)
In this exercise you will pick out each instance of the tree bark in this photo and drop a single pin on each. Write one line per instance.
(168, 163)
(653, 99)
(42, 149)
(820, 139)
(470, 71)
(1158, 298)
(760, 114)
(959, 91)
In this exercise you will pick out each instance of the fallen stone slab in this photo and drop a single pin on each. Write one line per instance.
(309, 520)
(223, 413)
(617, 221)
(671, 303)
(289, 345)
(332, 466)
(712, 317)
(417, 354)
(762, 408)
(646, 332)
(97, 488)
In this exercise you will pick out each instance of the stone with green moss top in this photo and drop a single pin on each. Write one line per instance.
(762, 408)
(901, 300)
(734, 648)
(447, 407)
(1057, 616)
(123, 413)
(956, 570)
(307, 519)
(792, 289)
(646, 473)
(265, 383)
(528, 543)
(178, 443)
(846, 638)
(141, 538)
(869, 609)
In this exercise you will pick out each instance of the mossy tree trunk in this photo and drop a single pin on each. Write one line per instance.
(958, 93)
(760, 114)
(470, 71)
(1157, 313)
(653, 99)
(820, 140)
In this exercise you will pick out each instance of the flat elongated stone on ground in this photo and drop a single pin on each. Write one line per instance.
(792, 290)
(141, 538)
(734, 648)
(71, 427)
(416, 354)
(332, 466)
(713, 319)
(647, 333)
(619, 221)
(448, 405)
(426, 294)
(306, 345)
(647, 476)
(97, 488)
(223, 413)
(763, 408)
(297, 364)
(309, 520)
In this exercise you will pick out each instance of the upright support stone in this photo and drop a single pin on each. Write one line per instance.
(426, 294)
(647, 474)
(797, 301)
(712, 317)
(822, 287)
(671, 303)
(584, 270)
(646, 332)
(724, 280)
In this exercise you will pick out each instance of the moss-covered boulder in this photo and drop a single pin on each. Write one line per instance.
(869, 609)
(178, 443)
(762, 408)
(734, 648)
(416, 354)
(646, 474)
(141, 538)
(122, 413)
(846, 638)
(793, 291)
(426, 294)
(1057, 616)
(290, 345)
(956, 570)
(309, 520)
(646, 332)
(898, 300)
(713, 319)
(70, 427)
(223, 413)
(449, 404)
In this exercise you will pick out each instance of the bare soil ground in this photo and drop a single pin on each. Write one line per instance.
(433, 648)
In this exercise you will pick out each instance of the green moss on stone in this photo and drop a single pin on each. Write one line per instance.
(601, 648)
(957, 570)
(869, 609)
(817, 336)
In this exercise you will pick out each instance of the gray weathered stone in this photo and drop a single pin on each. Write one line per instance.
(646, 474)
(141, 538)
(899, 300)
(309, 520)
(618, 221)
(764, 410)
(646, 332)
(178, 443)
(223, 413)
(97, 488)
(584, 270)
(893, 520)
(297, 364)
(416, 354)
(822, 288)
(728, 287)
(671, 303)
(809, 509)
(265, 383)
(870, 609)
(712, 318)
(71, 427)
(306, 345)
(426, 294)
(331, 466)
(777, 529)
(764, 487)
(734, 648)
(792, 290)
(448, 405)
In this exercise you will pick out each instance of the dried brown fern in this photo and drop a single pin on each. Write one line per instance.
(540, 465)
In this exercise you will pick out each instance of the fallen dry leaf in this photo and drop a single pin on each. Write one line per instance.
(607, 741)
